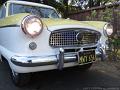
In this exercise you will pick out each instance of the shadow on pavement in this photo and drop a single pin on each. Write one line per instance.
(68, 79)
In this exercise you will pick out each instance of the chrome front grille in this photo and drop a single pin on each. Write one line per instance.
(73, 37)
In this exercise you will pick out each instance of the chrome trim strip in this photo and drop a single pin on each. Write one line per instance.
(14, 25)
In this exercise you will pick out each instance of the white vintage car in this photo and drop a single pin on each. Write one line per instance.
(34, 38)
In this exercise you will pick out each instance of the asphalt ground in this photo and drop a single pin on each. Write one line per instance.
(101, 76)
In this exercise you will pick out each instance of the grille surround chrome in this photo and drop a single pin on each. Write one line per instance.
(67, 37)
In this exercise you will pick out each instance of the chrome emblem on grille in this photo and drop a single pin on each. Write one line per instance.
(79, 37)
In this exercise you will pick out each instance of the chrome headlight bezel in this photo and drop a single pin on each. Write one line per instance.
(108, 29)
(32, 25)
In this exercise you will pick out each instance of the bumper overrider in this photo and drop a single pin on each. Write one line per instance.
(58, 60)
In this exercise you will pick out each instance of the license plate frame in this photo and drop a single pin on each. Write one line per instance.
(86, 57)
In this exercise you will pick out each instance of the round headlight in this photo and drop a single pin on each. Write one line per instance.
(32, 25)
(108, 29)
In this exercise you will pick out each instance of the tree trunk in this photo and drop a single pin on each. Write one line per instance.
(66, 11)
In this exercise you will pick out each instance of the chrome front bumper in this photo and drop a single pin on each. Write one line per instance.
(33, 61)
(59, 60)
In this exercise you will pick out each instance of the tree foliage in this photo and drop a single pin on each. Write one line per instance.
(84, 4)
(94, 3)
(65, 5)
(0, 2)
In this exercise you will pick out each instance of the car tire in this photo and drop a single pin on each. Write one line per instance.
(85, 67)
(20, 79)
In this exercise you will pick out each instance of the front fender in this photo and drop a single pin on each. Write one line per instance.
(12, 20)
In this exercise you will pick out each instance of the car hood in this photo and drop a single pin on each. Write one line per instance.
(59, 22)
(17, 18)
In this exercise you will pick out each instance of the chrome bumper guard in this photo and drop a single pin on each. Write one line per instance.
(33, 61)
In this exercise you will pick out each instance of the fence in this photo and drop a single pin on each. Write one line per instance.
(96, 13)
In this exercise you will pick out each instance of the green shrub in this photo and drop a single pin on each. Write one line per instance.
(107, 15)
(103, 15)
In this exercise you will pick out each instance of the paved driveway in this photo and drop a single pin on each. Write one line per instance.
(101, 76)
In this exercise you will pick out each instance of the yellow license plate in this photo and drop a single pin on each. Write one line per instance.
(86, 57)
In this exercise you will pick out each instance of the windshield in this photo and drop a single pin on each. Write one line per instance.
(40, 11)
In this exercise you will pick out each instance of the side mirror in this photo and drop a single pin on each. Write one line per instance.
(4, 5)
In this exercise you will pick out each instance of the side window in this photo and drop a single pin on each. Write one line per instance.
(2, 12)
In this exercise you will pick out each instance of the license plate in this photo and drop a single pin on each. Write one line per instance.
(86, 57)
